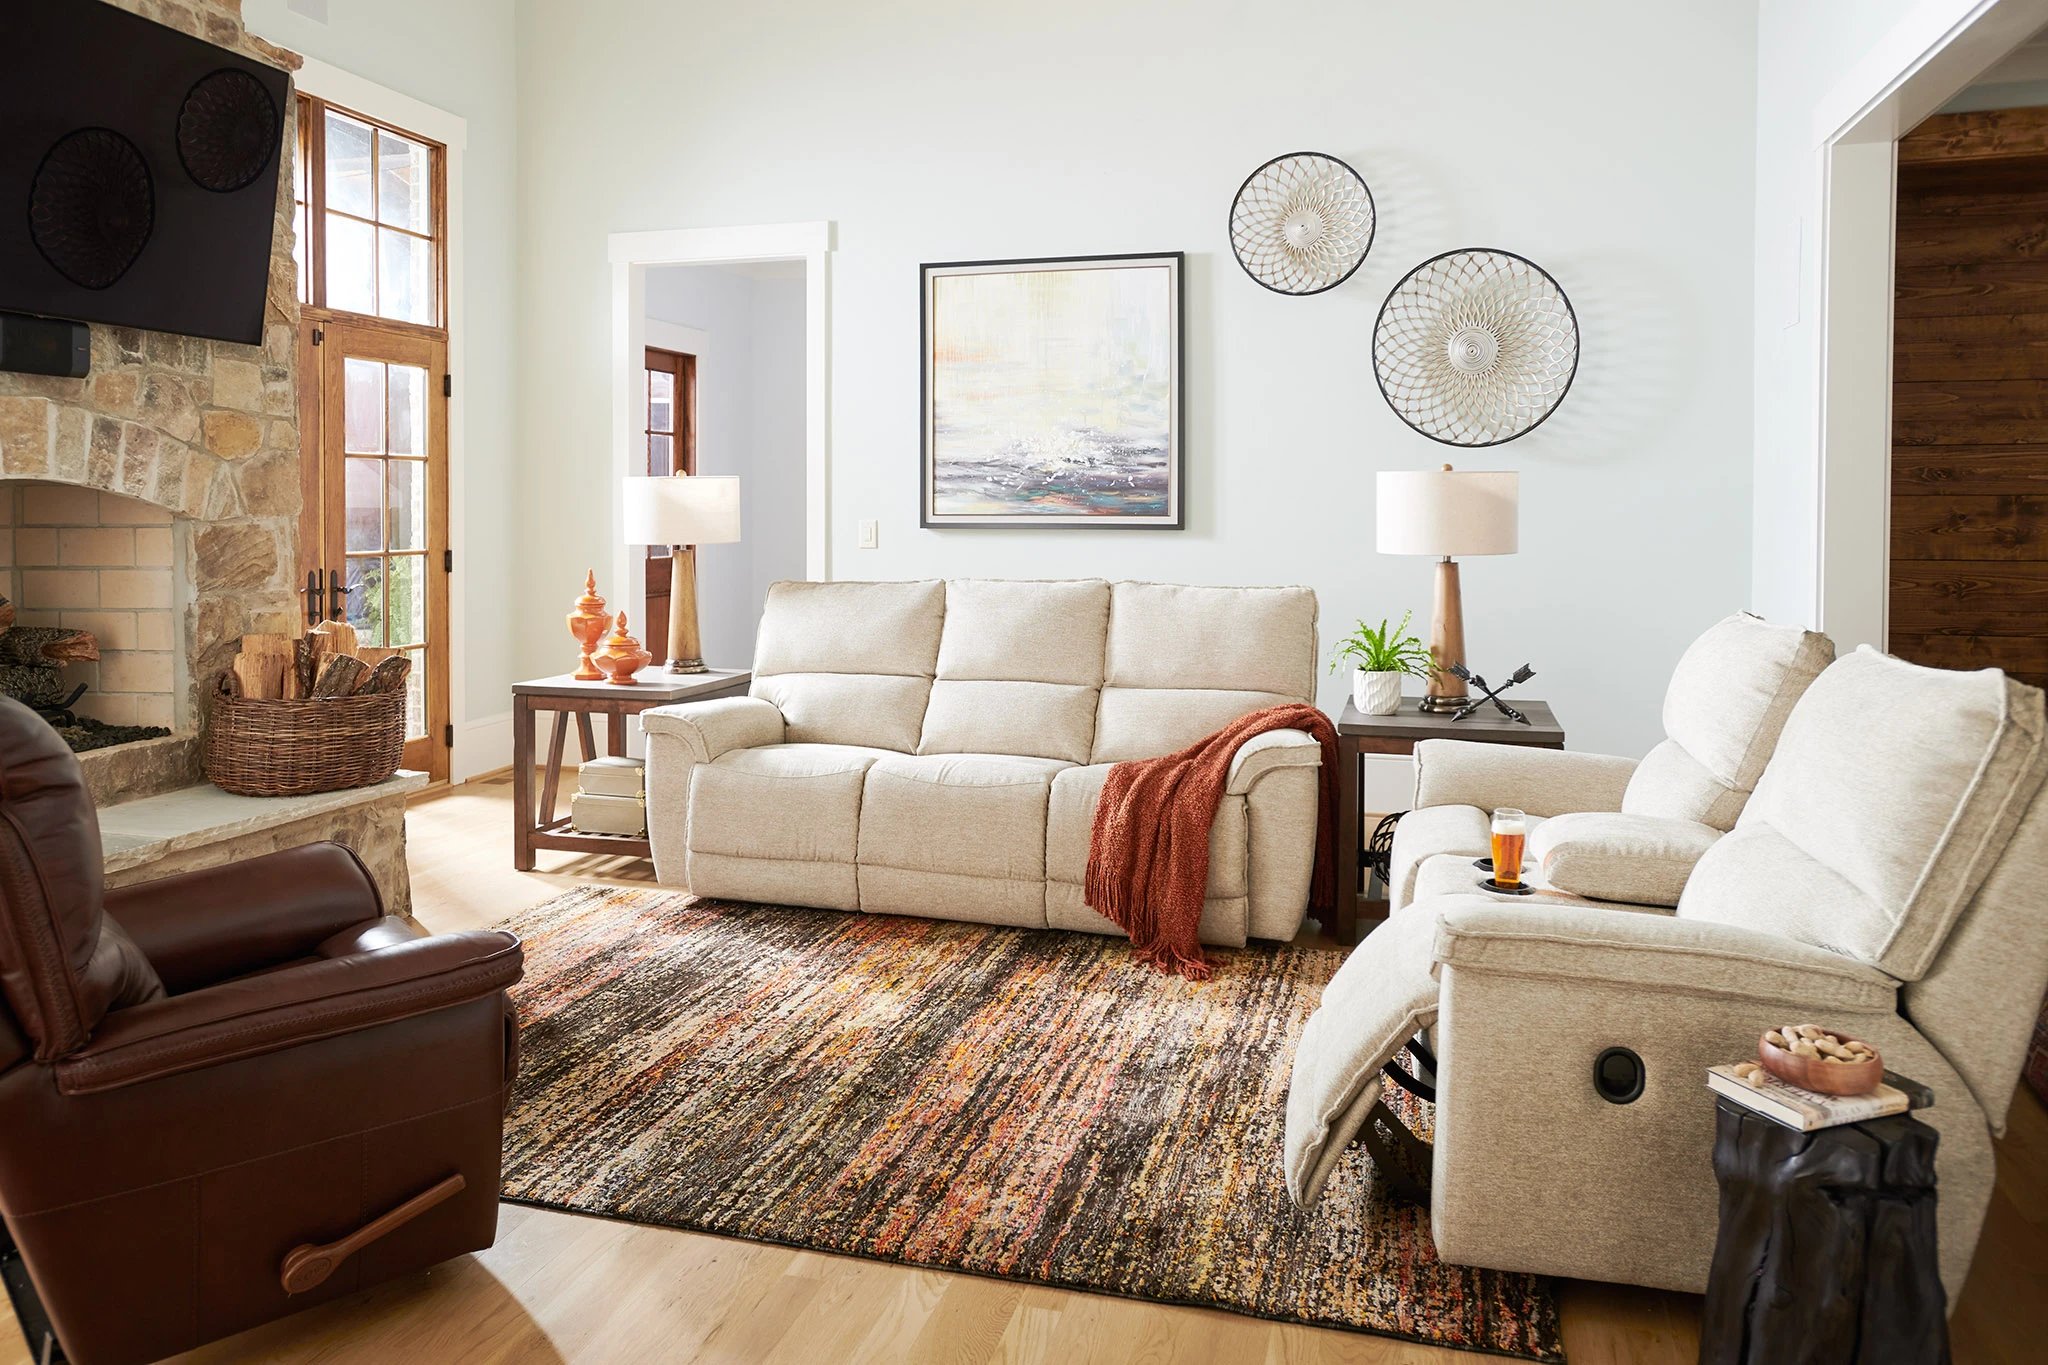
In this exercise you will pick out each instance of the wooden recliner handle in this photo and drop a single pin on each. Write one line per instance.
(308, 1265)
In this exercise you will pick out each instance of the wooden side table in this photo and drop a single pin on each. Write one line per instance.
(1359, 734)
(538, 827)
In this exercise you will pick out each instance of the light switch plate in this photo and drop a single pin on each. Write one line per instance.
(870, 535)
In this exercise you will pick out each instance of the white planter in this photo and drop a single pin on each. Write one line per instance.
(1376, 694)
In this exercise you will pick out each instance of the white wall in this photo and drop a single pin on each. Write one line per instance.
(750, 422)
(457, 55)
(932, 131)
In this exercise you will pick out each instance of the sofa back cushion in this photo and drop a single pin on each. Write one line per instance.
(1019, 669)
(1894, 791)
(850, 663)
(1182, 662)
(1730, 696)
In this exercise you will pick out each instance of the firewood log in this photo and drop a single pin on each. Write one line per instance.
(388, 676)
(339, 674)
(333, 637)
(261, 676)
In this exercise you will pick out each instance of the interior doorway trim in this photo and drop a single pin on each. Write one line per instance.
(631, 255)
(1937, 49)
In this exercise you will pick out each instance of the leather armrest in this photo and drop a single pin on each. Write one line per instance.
(283, 1009)
(710, 728)
(1546, 782)
(1271, 749)
(201, 927)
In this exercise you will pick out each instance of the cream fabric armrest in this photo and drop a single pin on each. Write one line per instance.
(1654, 954)
(1263, 753)
(711, 728)
(1457, 772)
(1640, 859)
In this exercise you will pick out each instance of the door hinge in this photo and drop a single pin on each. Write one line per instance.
(447, 561)
(448, 736)
(447, 386)
(319, 335)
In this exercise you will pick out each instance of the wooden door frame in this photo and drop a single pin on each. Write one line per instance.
(658, 570)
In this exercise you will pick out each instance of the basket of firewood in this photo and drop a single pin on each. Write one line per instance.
(312, 714)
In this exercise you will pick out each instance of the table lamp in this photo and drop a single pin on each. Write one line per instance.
(1446, 512)
(683, 511)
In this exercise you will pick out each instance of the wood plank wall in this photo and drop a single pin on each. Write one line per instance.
(1969, 573)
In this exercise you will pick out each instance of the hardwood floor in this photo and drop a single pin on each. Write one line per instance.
(557, 1287)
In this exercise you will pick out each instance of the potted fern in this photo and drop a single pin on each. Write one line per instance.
(1380, 659)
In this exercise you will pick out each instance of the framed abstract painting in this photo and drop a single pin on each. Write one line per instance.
(1052, 392)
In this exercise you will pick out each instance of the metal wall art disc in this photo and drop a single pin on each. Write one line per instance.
(227, 130)
(91, 206)
(1475, 347)
(1302, 223)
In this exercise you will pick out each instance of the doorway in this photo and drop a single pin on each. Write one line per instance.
(370, 208)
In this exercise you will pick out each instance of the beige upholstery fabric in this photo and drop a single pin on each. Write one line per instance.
(1019, 669)
(1383, 995)
(1635, 858)
(1281, 810)
(678, 739)
(1043, 720)
(1457, 772)
(850, 663)
(1222, 924)
(1900, 785)
(1427, 832)
(1181, 662)
(783, 817)
(980, 815)
(1270, 752)
(1451, 874)
(1728, 700)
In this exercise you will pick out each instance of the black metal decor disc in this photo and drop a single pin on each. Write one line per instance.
(227, 130)
(92, 206)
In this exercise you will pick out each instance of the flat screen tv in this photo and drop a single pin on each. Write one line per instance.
(138, 172)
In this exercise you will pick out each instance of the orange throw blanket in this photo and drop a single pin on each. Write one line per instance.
(1148, 853)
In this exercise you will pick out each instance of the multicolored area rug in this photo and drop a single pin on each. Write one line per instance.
(1035, 1106)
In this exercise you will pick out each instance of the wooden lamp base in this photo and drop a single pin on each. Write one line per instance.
(685, 648)
(1447, 691)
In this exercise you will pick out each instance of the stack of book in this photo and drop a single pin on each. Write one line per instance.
(611, 798)
(1807, 1110)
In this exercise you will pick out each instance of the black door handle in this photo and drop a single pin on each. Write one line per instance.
(316, 598)
(337, 596)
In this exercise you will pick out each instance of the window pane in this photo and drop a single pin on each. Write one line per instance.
(403, 186)
(366, 600)
(405, 277)
(362, 383)
(416, 695)
(659, 454)
(408, 599)
(407, 508)
(363, 517)
(348, 165)
(661, 401)
(299, 253)
(408, 432)
(351, 265)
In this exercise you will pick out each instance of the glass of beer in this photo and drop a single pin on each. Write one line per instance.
(1510, 832)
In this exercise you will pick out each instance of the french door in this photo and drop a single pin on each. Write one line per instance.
(671, 446)
(375, 531)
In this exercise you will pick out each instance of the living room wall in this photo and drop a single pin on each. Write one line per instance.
(931, 131)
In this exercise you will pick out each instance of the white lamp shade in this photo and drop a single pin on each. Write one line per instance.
(1447, 512)
(693, 509)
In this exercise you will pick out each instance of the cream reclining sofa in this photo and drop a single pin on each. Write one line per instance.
(1885, 878)
(937, 748)
(1606, 828)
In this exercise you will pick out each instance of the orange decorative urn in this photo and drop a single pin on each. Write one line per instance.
(588, 623)
(622, 656)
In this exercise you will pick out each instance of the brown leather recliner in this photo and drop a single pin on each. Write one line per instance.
(208, 1082)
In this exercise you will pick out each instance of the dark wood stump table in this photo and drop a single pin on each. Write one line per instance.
(1827, 1252)
(538, 827)
(1359, 734)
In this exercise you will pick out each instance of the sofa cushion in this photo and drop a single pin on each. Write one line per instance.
(1071, 820)
(1182, 662)
(850, 663)
(1640, 859)
(978, 815)
(790, 801)
(1892, 792)
(1729, 699)
(1020, 667)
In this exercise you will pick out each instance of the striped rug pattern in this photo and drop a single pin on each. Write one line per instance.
(1032, 1105)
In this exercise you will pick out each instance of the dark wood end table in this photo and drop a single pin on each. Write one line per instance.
(1359, 734)
(539, 827)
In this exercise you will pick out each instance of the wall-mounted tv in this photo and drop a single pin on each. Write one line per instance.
(138, 172)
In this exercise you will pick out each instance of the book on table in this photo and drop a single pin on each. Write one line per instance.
(1806, 1110)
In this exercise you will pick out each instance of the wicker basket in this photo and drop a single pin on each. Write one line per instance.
(296, 748)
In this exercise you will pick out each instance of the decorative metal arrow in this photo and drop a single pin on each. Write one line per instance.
(1492, 694)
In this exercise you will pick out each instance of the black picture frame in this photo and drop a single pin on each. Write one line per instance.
(1174, 516)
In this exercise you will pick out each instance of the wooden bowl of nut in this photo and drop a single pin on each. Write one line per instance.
(1821, 1060)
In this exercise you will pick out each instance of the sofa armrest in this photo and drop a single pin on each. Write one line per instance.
(1653, 954)
(1546, 782)
(282, 1009)
(1270, 750)
(200, 927)
(1638, 859)
(710, 728)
